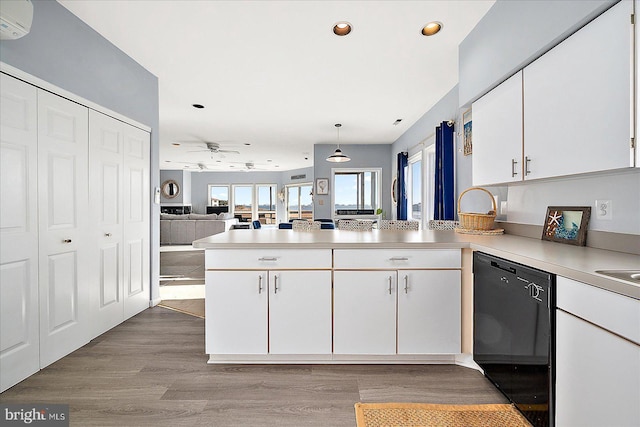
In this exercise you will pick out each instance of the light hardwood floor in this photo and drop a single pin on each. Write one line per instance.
(152, 371)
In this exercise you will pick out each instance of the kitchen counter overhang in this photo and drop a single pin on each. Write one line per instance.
(574, 262)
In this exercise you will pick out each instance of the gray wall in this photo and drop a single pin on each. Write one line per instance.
(183, 178)
(362, 156)
(63, 50)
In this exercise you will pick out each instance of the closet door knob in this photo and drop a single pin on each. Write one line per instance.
(107, 234)
(66, 241)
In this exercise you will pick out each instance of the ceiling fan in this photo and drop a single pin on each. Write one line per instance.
(192, 165)
(249, 166)
(212, 147)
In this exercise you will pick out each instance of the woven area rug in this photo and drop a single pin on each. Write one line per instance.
(432, 415)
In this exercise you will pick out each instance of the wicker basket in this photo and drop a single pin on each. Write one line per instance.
(477, 221)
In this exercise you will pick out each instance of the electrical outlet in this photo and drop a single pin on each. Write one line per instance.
(604, 209)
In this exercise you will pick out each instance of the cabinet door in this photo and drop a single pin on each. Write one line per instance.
(595, 371)
(577, 100)
(63, 217)
(364, 312)
(236, 312)
(300, 312)
(497, 134)
(137, 289)
(19, 344)
(105, 204)
(429, 312)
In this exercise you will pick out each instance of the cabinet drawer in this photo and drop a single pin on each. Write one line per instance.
(396, 258)
(267, 259)
(615, 312)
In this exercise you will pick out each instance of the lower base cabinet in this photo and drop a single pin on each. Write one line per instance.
(268, 312)
(597, 376)
(397, 312)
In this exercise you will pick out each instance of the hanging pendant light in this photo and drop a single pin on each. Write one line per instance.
(338, 156)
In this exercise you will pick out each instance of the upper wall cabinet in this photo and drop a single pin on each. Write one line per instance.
(497, 134)
(569, 112)
(577, 100)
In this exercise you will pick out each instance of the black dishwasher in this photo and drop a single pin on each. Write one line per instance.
(513, 340)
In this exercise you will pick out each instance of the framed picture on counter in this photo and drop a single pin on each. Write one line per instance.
(567, 224)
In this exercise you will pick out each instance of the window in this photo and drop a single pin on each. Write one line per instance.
(355, 189)
(266, 196)
(299, 203)
(218, 195)
(414, 187)
(243, 201)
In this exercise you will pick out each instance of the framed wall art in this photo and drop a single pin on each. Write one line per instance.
(322, 186)
(466, 129)
(567, 224)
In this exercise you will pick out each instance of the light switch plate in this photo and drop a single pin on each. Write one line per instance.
(604, 209)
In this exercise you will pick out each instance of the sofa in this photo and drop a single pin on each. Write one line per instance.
(184, 229)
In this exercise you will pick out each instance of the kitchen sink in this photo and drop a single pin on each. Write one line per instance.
(630, 275)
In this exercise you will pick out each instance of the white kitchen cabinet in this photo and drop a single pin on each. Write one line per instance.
(236, 312)
(279, 304)
(364, 312)
(19, 337)
(597, 376)
(497, 134)
(578, 98)
(568, 112)
(429, 312)
(300, 312)
(597, 356)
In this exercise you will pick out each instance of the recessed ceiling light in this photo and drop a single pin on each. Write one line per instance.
(197, 105)
(397, 122)
(431, 28)
(342, 28)
(269, 160)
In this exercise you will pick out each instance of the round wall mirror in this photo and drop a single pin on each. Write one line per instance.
(170, 189)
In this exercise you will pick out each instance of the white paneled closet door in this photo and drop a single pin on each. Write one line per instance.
(106, 213)
(136, 220)
(63, 218)
(19, 345)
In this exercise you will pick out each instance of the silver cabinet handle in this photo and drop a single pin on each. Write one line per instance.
(399, 258)
(107, 234)
(260, 284)
(513, 168)
(66, 241)
(268, 259)
(406, 284)
(390, 281)
(527, 160)
(275, 284)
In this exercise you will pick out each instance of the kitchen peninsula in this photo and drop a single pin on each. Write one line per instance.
(280, 296)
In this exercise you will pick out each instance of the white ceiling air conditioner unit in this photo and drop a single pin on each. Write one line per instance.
(15, 18)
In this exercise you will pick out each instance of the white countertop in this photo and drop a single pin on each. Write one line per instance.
(574, 262)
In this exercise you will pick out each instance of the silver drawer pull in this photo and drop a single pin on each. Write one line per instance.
(275, 284)
(513, 168)
(406, 284)
(390, 282)
(527, 160)
(260, 284)
(264, 258)
(399, 258)
(66, 241)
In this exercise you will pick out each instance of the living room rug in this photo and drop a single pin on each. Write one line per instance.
(432, 415)
(193, 307)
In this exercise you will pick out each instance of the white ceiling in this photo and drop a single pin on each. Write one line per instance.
(272, 73)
